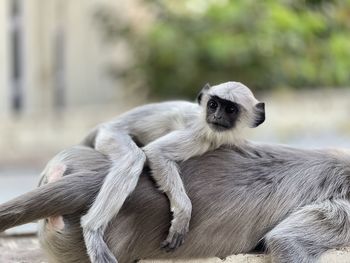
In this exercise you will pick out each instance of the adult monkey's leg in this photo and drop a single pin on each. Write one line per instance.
(307, 233)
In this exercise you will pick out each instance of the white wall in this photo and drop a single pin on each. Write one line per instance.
(86, 81)
(85, 58)
(38, 69)
(4, 95)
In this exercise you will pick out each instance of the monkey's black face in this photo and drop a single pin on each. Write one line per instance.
(222, 114)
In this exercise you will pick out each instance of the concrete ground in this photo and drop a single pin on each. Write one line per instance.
(26, 249)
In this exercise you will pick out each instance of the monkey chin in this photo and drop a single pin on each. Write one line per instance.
(217, 127)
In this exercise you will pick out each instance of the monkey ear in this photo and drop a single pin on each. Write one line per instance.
(204, 90)
(259, 109)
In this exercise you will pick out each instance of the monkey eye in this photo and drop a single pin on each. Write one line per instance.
(212, 104)
(231, 109)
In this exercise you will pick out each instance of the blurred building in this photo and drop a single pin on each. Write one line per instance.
(52, 58)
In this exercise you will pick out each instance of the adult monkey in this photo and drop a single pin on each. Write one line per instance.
(297, 200)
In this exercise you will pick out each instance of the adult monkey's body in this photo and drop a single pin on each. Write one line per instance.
(297, 200)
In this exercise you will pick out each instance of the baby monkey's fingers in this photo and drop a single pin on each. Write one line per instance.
(173, 241)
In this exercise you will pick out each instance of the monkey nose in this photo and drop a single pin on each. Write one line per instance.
(217, 117)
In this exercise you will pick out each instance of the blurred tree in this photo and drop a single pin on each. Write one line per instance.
(264, 44)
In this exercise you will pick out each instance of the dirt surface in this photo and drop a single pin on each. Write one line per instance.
(23, 249)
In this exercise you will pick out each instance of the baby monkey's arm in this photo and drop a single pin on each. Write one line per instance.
(162, 155)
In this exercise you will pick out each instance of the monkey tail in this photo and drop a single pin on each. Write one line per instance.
(68, 195)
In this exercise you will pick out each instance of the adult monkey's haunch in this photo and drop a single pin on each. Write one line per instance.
(296, 200)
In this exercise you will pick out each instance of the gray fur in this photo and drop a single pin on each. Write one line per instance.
(298, 200)
(171, 132)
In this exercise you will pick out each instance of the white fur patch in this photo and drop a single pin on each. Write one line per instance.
(239, 93)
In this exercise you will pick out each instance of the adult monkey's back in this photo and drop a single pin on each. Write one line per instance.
(296, 199)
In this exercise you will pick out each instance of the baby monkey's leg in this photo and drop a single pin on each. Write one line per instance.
(127, 163)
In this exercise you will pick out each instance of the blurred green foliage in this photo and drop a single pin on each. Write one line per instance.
(266, 44)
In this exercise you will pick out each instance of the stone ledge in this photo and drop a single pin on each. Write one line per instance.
(333, 256)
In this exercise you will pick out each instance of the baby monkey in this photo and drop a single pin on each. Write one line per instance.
(167, 133)
(225, 110)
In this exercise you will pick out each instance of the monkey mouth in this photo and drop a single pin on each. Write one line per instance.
(217, 126)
